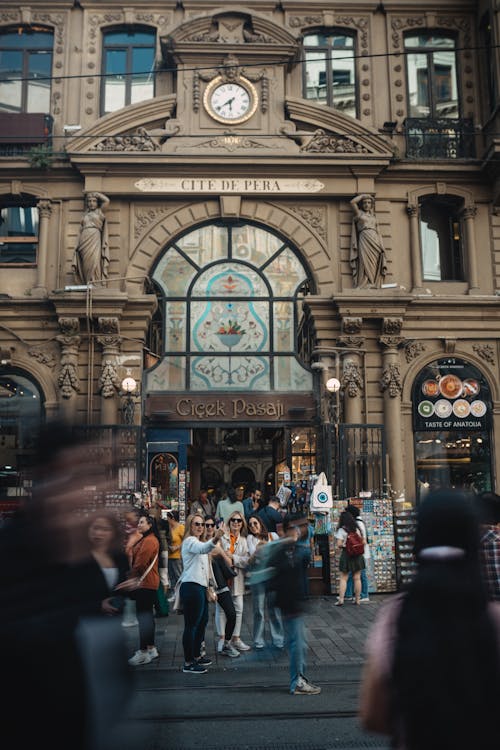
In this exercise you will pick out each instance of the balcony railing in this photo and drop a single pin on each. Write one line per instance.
(439, 138)
(20, 131)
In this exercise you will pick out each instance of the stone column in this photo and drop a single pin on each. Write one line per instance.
(109, 382)
(44, 213)
(391, 386)
(468, 215)
(68, 380)
(415, 249)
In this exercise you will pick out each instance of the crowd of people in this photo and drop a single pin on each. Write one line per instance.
(434, 651)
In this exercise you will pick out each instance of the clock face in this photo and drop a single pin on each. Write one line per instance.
(230, 102)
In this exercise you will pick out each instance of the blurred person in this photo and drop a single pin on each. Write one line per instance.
(271, 515)
(41, 548)
(348, 564)
(228, 504)
(235, 544)
(222, 573)
(175, 536)
(132, 535)
(194, 582)
(144, 581)
(489, 508)
(289, 560)
(251, 504)
(349, 593)
(432, 673)
(258, 537)
(203, 504)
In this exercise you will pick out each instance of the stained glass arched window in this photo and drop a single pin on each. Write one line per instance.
(230, 297)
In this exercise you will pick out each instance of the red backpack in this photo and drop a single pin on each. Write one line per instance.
(354, 545)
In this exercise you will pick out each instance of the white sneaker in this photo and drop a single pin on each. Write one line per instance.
(365, 599)
(220, 645)
(238, 643)
(129, 623)
(140, 657)
(304, 687)
(153, 653)
(230, 650)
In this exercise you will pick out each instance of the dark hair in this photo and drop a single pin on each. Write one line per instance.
(263, 533)
(110, 516)
(446, 671)
(489, 508)
(173, 514)
(291, 518)
(353, 510)
(347, 522)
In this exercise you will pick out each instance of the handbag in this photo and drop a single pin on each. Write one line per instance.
(177, 604)
(321, 495)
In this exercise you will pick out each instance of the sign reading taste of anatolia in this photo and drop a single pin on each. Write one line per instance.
(227, 185)
(226, 407)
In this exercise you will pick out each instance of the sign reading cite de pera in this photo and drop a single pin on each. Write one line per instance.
(223, 407)
(227, 185)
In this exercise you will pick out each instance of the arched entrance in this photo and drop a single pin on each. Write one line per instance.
(21, 412)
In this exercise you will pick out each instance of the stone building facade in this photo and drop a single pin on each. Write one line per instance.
(228, 148)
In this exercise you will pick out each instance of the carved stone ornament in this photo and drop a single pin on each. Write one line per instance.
(352, 382)
(232, 143)
(392, 326)
(140, 141)
(391, 381)
(325, 143)
(352, 325)
(351, 342)
(69, 326)
(109, 325)
(230, 29)
(109, 382)
(486, 352)
(392, 342)
(147, 216)
(315, 217)
(413, 349)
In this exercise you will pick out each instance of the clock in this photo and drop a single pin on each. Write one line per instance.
(230, 102)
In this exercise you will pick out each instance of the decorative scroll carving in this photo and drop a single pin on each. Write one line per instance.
(413, 349)
(315, 217)
(297, 22)
(109, 325)
(392, 342)
(352, 382)
(351, 342)
(146, 217)
(486, 352)
(109, 338)
(231, 143)
(68, 380)
(391, 381)
(44, 209)
(43, 356)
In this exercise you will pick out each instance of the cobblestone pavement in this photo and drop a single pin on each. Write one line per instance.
(336, 635)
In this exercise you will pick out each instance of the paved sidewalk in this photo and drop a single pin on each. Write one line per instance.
(336, 635)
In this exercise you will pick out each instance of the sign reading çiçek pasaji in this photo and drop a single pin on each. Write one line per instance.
(223, 407)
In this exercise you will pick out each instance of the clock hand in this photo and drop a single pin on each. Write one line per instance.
(229, 101)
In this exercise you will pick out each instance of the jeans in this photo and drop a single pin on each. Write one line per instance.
(349, 593)
(174, 571)
(297, 647)
(144, 603)
(261, 599)
(195, 604)
(220, 617)
(226, 605)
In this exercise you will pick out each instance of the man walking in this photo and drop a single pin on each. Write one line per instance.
(289, 560)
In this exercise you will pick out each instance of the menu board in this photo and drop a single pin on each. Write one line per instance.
(451, 394)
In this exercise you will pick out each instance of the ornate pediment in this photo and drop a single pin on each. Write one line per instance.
(138, 128)
(227, 27)
(319, 129)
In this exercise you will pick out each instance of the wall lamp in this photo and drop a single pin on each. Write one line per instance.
(129, 388)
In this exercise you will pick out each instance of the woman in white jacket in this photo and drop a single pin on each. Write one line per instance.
(234, 542)
(194, 582)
